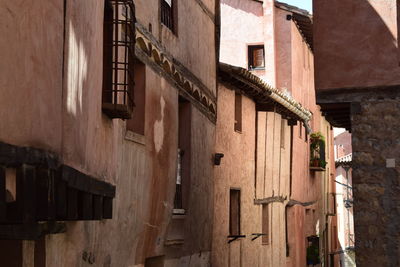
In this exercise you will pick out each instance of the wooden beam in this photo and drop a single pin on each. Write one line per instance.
(268, 200)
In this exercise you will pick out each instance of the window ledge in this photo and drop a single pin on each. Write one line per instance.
(174, 242)
(134, 137)
(178, 212)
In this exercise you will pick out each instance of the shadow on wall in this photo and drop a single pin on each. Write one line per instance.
(252, 7)
(355, 43)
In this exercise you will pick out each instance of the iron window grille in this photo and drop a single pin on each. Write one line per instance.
(118, 58)
(167, 13)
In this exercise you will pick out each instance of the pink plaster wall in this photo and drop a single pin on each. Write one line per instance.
(242, 24)
(57, 107)
(31, 73)
(355, 43)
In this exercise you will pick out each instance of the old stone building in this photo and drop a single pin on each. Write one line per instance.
(90, 163)
(357, 83)
(287, 207)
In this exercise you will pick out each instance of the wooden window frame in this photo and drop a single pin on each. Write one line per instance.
(169, 15)
(137, 123)
(232, 223)
(265, 239)
(238, 122)
(250, 50)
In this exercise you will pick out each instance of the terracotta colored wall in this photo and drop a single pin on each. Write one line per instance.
(357, 46)
(237, 170)
(61, 112)
(250, 30)
(295, 72)
(30, 97)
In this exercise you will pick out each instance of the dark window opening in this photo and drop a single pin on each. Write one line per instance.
(238, 112)
(183, 156)
(169, 14)
(234, 212)
(256, 55)
(154, 262)
(265, 224)
(137, 122)
(118, 58)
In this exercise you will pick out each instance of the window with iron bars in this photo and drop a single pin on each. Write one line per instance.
(168, 15)
(118, 58)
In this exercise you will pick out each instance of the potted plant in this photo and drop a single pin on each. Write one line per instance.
(317, 143)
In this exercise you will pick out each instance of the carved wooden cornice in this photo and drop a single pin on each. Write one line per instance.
(185, 81)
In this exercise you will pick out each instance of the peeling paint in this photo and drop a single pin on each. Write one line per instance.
(159, 128)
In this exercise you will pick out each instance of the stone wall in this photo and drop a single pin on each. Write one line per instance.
(376, 184)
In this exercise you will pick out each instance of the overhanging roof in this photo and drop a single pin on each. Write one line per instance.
(266, 97)
(302, 19)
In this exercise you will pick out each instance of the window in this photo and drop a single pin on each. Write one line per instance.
(234, 212)
(118, 58)
(256, 56)
(169, 14)
(238, 112)
(265, 224)
(283, 128)
(300, 130)
(137, 122)
(183, 156)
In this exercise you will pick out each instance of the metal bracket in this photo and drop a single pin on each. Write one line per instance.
(257, 235)
(235, 237)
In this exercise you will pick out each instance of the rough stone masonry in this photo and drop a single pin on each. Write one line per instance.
(376, 142)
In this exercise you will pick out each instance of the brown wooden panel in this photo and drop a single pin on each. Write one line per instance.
(26, 193)
(45, 207)
(11, 253)
(72, 204)
(107, 208)
(97, 207)
(61, 197)
(85, 206)
(40, 252)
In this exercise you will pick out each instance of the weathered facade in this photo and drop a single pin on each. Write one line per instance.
(285, 205)
(57, 126)
(357, 83)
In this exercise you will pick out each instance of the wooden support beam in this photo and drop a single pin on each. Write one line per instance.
(97, 207)
(85, 206)
(107, 207)
(61, 197)
(268, 200)
(45, 188)
(72, 204)
(26, 193)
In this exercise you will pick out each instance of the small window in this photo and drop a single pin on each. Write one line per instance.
(183, 156)
(283, 128)
(300, 130)
(234, 212)
(265, 224)
(169, 14)
(256, 56)
(238, 112)
(137, 122)
(118, 58)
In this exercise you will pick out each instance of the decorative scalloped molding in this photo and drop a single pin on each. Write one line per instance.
(165, 62)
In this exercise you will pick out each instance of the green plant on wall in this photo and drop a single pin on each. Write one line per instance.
(317, 149)
(313, 255)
